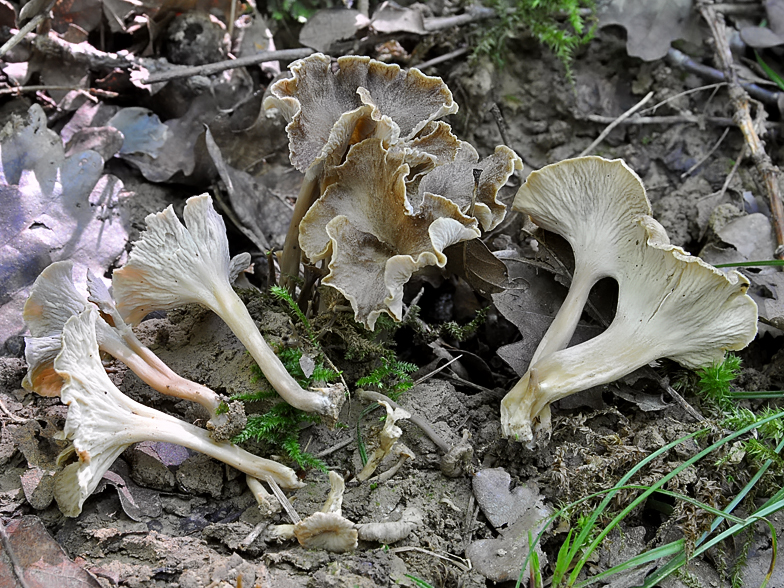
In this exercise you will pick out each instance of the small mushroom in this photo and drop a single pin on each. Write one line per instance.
(102, 422)
(326, 529)
(175, 264)
(670, 304)
(54, 299)
(387, 437)
(392, 531)
(374, 237)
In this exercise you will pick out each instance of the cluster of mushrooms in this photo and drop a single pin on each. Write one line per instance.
(387, 188)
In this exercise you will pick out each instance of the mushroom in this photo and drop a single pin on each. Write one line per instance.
(670, 304)
(593, 203)
(392, 531)
(330, 110)
(326, 529)
(387, 437)
(102, 422)
(374, 237)
(54, 299)
(173, 265)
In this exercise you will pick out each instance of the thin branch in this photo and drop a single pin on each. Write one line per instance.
(615, 123)
(742, 116)
(21, 33)
(683, 61)
(442, 58)
(209, 69)
(705, 158)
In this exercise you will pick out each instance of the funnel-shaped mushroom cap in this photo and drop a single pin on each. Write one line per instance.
(53, 300)
(102, 422)
(173, 265)
(593, 203)
(326, 530)
(670, 304)
(456, 181)
(376, 239)
(329, 110)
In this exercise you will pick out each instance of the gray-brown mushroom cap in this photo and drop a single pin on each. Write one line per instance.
(329, 110)
(375, 238)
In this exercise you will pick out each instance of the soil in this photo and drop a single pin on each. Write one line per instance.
(181, 520)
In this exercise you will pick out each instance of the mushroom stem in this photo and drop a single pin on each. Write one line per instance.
(565, 322)
(292, 253)
(235, 314)
(156, 374)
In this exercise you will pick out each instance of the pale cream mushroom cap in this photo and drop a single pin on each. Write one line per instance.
(327, 111)
(173, 265)
(593, 203)
(376, 239)
(670, 304)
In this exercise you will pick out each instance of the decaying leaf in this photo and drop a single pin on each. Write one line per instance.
(330, 25)
(55, 207)
(652, 26)
(476, 264)
(30, 551)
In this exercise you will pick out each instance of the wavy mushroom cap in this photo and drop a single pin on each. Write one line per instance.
(175, 264)
(376, 239)
(326, 530)
(329, 110)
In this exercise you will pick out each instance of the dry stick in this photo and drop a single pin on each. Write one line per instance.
(615, 123)
(442, 58)
(656, 106)
(21, 33)
(683, 61)
(696, 119)
(707, 155)
(219, 66)
(742, 116)
(87, 91)
(11, 415)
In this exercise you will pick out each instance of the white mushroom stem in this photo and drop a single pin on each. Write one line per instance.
(173, 265)
(268, 504)
(391, 532)
(670, 304)
(102, 422)
(292, 253)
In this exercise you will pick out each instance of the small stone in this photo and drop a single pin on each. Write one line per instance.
(201, 475)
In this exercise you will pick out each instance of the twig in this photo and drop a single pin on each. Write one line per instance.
(209, 69)
(284, 502)
(21, 33)
(442, 58)
(435, 371)
(615, 123)
(501, 124)
(673, 119)
(683, 61)
(334, 448)
(464, 565)
(734, 169)
(95, 91)
(705, 158)
(11, 415)
(742, 116)
(683, 404)
(656, 106)
(473, 14)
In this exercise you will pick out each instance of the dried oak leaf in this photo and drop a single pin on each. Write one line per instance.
(376, 238)
(329, 111)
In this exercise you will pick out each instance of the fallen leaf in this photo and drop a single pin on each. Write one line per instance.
(476, 264)
(652, 26)
(30, 550)
(393, 18)
(330, 25)
(140, 504)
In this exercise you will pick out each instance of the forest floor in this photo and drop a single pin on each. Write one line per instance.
(182, 520)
